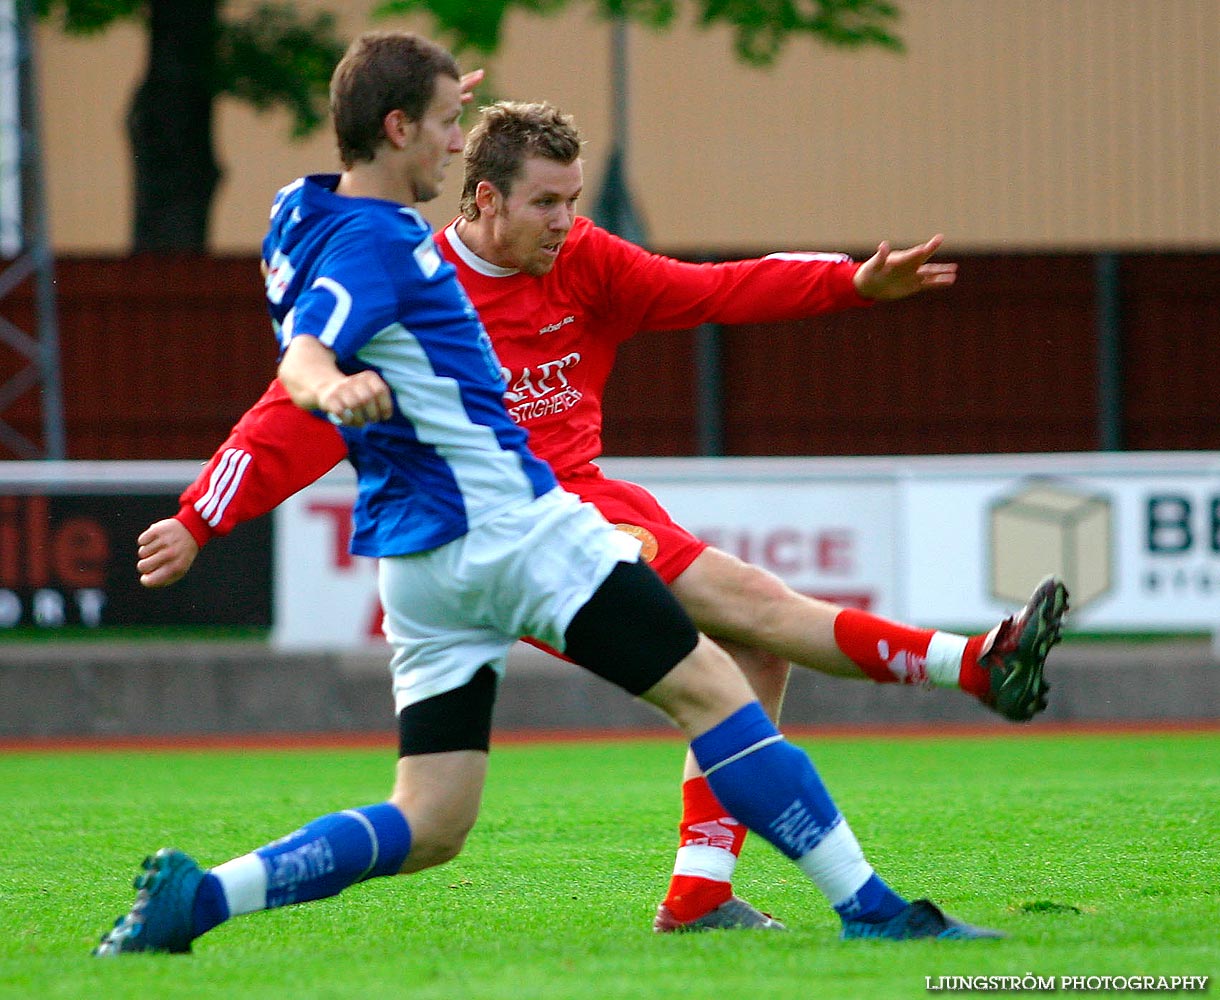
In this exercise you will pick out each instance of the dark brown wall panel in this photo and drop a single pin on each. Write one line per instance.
(650, 398)
(1003, 362)
(161, 355)
(1171, 320)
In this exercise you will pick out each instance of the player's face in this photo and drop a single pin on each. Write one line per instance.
(435, 139)
(533, 222)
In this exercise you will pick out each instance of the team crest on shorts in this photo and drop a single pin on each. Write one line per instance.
(648, 541)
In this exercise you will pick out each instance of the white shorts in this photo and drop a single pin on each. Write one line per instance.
(453, 609)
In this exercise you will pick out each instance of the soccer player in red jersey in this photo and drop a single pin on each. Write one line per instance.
(557, 295)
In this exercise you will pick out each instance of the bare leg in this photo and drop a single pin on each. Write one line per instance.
(439, 794)
(732, 600)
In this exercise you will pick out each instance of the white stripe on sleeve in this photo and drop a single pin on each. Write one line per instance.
(226, 478)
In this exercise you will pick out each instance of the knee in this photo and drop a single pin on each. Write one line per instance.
(765, 594)
(437, 849)
(701, 689)
(766, 672)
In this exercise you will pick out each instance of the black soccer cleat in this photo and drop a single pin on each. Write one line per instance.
(1017, 655)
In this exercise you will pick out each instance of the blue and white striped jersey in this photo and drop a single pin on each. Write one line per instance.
(364, 277)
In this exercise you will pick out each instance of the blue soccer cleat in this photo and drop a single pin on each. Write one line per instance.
(920, 919)
(160, 918)
(1018, 653)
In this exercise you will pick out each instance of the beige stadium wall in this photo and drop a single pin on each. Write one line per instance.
(1023, 126)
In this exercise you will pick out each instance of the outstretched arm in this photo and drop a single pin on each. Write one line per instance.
(273, 451)
(894, 274)
(650, 291)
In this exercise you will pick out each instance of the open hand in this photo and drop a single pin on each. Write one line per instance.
(894, 274)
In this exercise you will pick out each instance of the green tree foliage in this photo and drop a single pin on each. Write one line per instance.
(760, 27)
(272, 56)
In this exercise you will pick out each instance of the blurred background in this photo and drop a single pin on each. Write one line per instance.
(1066, 148)
(1046, 125)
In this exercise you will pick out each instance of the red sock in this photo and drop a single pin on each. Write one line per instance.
(891, 653)
(975, 679)
(709, 843)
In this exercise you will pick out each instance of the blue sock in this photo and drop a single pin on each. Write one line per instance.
(331, 853)
(873, 902)
(773, 788)
(211, 908)
(321, 859)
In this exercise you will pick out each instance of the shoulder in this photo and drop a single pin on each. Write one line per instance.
(589, 240)
(386, 235)
(590, 248)
(587, 237)
(285, 195)
(383, 223)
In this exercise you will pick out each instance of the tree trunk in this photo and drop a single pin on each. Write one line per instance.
(170, 128)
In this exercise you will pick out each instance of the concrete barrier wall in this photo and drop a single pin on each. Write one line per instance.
(166, 690)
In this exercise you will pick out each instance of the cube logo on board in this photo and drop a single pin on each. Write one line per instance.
(1050, 528)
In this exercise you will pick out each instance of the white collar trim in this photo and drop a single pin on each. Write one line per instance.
(471, 259)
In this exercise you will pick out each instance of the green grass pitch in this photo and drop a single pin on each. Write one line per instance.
(1099, 854)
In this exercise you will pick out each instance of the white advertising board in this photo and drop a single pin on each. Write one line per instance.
(1138, 541)
(831, 536)
(827, 531)
(324, 596)
(956, 541)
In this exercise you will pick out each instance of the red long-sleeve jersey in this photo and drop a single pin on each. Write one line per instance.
(556, 338)
(274, 450)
